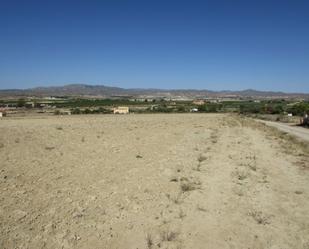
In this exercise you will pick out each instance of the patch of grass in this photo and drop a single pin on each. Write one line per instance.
(59, 128)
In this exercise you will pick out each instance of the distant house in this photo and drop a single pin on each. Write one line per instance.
(194, 110)
(198, 102)
(66, 112)
(121, 110)
(290, 114)
(2, 112)
(29, 104)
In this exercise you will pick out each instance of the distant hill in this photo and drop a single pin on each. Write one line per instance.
(82, 90)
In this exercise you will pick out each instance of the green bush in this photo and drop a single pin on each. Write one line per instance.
(211, 107)
(75, 111)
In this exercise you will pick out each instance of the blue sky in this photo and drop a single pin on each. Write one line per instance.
(212, 45)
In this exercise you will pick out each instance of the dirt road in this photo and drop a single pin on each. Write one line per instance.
(151, 181)
(300, 132)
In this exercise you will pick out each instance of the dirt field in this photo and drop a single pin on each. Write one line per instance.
(151, 181)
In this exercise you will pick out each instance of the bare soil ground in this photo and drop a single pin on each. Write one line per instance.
(151, 181)
(293, 129)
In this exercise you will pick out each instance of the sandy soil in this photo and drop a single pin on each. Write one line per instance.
(151, 181)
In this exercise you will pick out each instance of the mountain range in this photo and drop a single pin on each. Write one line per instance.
(102, 91)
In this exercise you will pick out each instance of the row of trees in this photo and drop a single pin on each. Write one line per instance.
(298, 109)
(90, 111)
(251, 107)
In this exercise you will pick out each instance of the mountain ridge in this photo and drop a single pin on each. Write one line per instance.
(110, 91)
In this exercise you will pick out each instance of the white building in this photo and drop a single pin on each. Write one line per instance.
(121, 110)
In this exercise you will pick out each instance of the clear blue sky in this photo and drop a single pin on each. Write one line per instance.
(261, 44)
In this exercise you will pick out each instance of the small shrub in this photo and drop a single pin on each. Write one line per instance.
(76, 111)
(259, 217)
(174, 179)
(201, 158)
(181, 214)
(176, 199)
(168, 236)
(242, 175)
(49, 147)
(149, 240)
(252, 166)
(198, 167)
(187, 186)
(200, 208)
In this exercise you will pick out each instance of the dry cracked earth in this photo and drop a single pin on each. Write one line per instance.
(151, 181)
